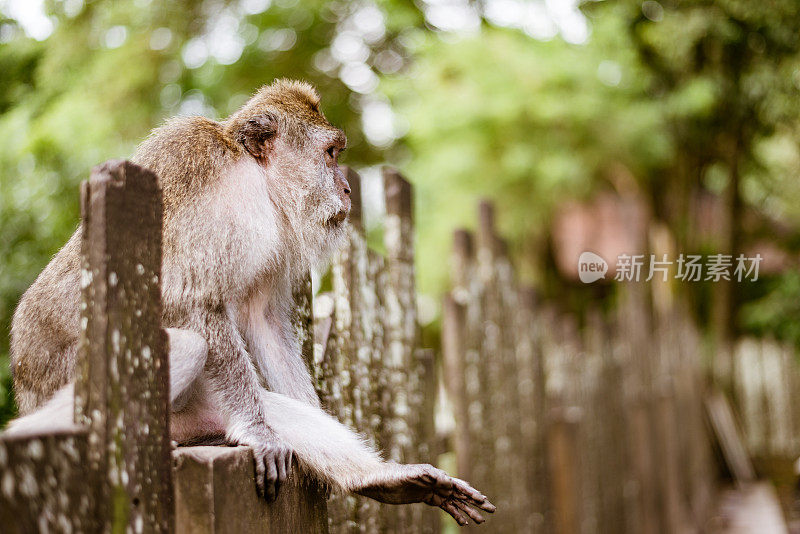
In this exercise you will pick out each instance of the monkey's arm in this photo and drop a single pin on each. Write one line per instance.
(338, 456)
(236, 390)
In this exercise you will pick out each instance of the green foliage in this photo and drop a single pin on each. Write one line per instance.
(776, 313)
(525, 122)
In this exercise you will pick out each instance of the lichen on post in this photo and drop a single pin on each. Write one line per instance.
(122, 388)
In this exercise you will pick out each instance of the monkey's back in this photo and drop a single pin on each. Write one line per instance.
(186, 154)
(46, 328)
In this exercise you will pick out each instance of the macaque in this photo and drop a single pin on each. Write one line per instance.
(250, 205)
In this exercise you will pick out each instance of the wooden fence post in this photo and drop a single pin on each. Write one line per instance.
(563, 458)
(426, 424)
(489, 361)
(400, 330)
(303, 321)
(43, 485)
(454, 334)
(532, 448)
(673, 514)
(468, 291)
(122, 387)
(611, 447)
(499, 362)
(309, 496)
(344, 342)
(355, 314)
(400, 324)
(634, 327)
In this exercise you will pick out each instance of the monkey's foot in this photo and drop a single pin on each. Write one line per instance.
(273, 461)
(404, 484)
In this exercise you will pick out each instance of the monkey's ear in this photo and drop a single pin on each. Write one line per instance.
(256, 134)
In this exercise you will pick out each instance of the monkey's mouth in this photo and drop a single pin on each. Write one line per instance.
(337, 219)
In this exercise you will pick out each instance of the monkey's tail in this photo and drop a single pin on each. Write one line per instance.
(56, 414)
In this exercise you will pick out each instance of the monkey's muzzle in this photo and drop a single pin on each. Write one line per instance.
(339, 218)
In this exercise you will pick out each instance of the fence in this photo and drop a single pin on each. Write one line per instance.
(766, 387)
(593, 427)
(571, 430)
(372, 374)
(96, 476)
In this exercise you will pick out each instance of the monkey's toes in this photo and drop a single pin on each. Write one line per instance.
(273, 466)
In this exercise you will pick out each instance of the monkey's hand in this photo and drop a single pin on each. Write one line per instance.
(273, 461)
(404, 484)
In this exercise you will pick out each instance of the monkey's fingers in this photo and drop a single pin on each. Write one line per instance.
(469, 494)
(447, 486)
(469, 510)
(270, 480)
(450, 507)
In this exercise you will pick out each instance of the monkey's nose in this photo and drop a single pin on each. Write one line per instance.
(347, 190)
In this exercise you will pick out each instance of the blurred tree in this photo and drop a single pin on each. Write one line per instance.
(686, 97)
(527, 123)
(727, 73)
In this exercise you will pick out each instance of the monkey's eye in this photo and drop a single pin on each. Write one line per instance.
(331, 151)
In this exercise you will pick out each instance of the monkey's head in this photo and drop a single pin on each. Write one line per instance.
(283, 129)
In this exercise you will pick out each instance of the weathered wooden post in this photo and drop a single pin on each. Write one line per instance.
(533, 413)
(468, 290)
(351, 354)
(564, 472)
(499, 365)
(673, 515)
(112, 470)
(43, 484)
(400, 323)
(612, 451)
(400, 328)
(633, 323)
(691, 384)
(426, 424)
(494, 419)
(122, 384)
(454, 337)
(512, 439)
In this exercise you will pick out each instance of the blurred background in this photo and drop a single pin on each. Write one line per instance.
(569, 115)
